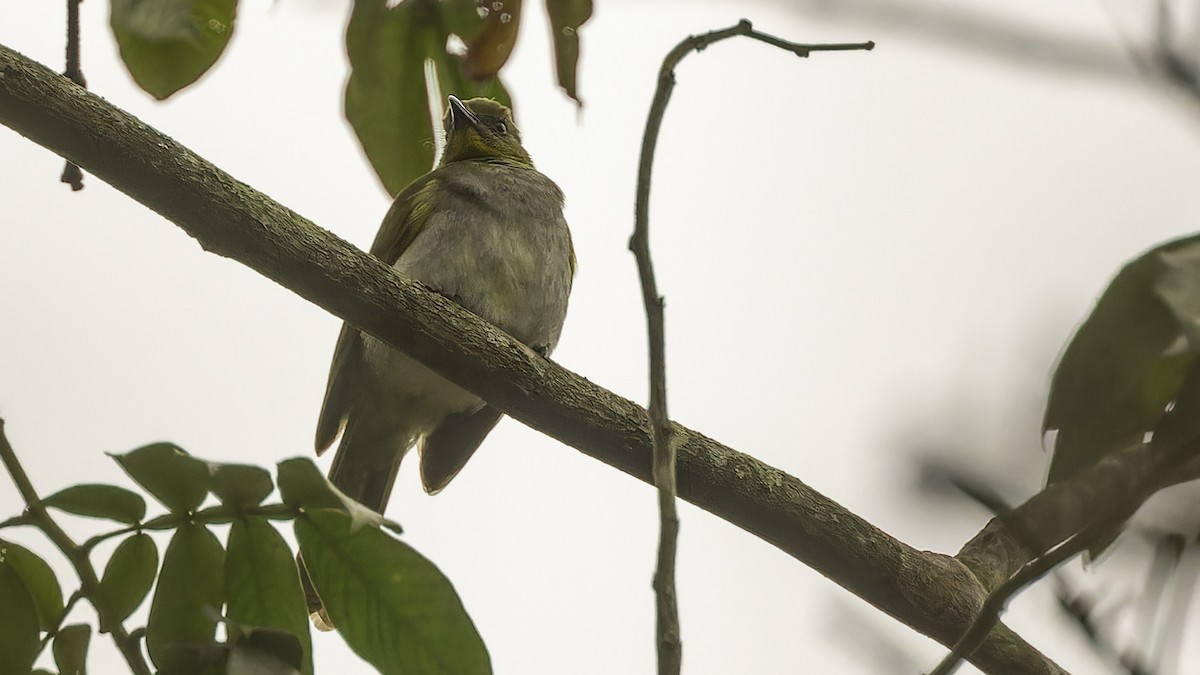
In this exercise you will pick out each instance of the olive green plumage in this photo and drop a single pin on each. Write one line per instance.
(485, 229)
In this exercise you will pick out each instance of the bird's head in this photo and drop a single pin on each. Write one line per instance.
(481, 128)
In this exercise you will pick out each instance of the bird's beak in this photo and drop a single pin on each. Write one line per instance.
(459, 114)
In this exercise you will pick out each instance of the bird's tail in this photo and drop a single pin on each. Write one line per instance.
(357, 471)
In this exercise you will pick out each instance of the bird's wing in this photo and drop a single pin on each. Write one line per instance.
(445, 451)
(406, 218)
(344, 374)
(401, 225)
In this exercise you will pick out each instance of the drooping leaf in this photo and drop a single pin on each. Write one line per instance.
(70, 649)
(180, 634)
(301, 485)
(39, 581)
(18, 624)
(1127, 360)
(128, 577)
(169, 44)
(240, 486)
(391, 604)
(386, 100)
(263, 584)
(174, 477)
(100, 501)
(566, 17)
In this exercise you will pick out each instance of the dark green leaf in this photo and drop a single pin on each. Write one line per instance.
(187, 602)
(22, 519)
(566, 16)
(128, 577)
(1128, 358)
(240, 486)
(392, 605)
(263, 584)
(169, 44)
(174, 477)
(301, 485)
(38, 578)
(100, 501)
(18, 624)
(70, 649)
(386, 101)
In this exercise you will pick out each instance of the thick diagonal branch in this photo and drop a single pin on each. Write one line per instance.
(932, 593)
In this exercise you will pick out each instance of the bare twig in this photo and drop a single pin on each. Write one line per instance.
(668, 633)
(89, 582)
(72, 174)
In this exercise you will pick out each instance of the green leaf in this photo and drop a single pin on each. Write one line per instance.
(127, 578)
(187, 603)
(240, 486)
(263, 584)
(174, 477)
(392, 605)
(100, 501)
(566, 17)
(301, 485)
(169, 44)
(1128, 358)
(70, 649)
(18, 624)
(386, 100)
(38, 579)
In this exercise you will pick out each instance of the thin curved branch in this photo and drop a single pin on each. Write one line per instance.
(669, 647)
(933, 593)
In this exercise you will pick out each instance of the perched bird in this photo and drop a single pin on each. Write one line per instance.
(485, 229)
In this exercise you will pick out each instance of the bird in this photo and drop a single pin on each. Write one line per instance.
(485, 229)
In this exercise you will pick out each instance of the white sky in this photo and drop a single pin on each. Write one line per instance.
(856, 250)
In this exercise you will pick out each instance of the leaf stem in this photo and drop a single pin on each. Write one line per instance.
(89, 582)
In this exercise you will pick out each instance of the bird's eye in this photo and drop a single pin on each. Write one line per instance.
(501, 129)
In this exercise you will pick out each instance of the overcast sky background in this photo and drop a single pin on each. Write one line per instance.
(861, 253)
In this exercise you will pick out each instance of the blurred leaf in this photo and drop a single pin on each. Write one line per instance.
(240, 486)
(1128, 358)
(489, 49)
(566, 17)
(386, 100)
(301, 485)
(391, 604)
(100, 501)
(18, 624)
(169, 44)
(128, 577)
(174, 477)
(187, 602)
(39, 580)
(265, 651)
(263, 584)
(70, 649)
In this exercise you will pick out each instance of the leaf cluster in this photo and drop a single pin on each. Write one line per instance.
(169, 44)
(391, 605)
